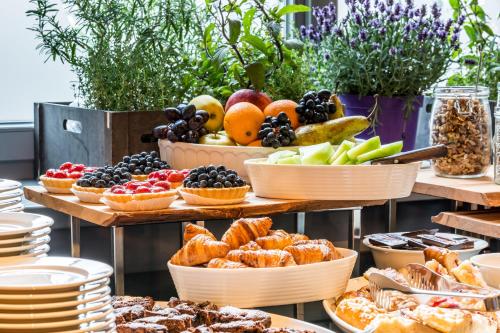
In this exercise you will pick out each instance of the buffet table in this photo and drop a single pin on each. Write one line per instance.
(180, 212)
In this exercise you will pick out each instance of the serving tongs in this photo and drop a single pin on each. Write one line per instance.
(424, 285)
(414, 155)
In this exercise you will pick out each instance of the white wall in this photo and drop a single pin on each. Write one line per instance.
(24, 77)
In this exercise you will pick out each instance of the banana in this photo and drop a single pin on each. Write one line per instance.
(339, 107)
(333, 131)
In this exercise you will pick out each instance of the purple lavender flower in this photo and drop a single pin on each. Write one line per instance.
(436, 11)
(375, 23)
(409, 3)
(303, 31)
(422, 35)
(441, 34)
(461, 19)
(367, 5)
(326, 56)
(448, 24)
(454, 39)
(397, 9)
(363, 35)
(357, 18)
(337, 31)
(430, 35)
(393, 51)
(381, 7)
(417, 12)
(423, 10)
(316, 11)
(382, 31)
(390, 2)
(456, 28)
(408, 28)
(353, 42)
(375, 46)
(333, 9)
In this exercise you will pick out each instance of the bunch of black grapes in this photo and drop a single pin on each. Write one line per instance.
(276, 131)
(315, 107)
(185, 124)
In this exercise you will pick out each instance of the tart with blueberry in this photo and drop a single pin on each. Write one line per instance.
(215, 183)
(138, 195)
(174, 177)
(91, 186)
(141, 165)
(60, 180)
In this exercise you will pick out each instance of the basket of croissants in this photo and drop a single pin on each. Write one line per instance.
(253, 265)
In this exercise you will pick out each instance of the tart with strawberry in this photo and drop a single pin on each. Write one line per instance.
(174, 177)
(60, 180)
(90, 187)
(213, 185)
(138, 195)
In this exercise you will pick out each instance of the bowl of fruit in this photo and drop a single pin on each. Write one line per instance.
(327, 172)
(250, 125)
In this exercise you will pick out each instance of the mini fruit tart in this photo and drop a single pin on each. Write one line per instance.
(174, 177)
(91, 186)
(141, 165)
(138, 196)
(60, 180)
(211, 185)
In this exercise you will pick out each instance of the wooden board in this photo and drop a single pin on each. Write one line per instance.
(484, 222)
(481, 191)
(180, 211)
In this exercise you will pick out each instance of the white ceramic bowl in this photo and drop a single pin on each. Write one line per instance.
(254, 287)
(400, 258)
(331, 182)
(489, 265)
(181, 155)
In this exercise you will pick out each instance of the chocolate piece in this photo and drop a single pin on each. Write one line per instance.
(136, 327)
(393, 241)
(128, 313)
(174, 324)
(416, 243)
(199, 329)
(229, 313)
(415, 233)
(123, 301)
(164, 312)
(446, 242)
(242, 326)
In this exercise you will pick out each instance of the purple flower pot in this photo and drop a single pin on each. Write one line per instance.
(392, 124)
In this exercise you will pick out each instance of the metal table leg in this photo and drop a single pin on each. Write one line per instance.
(393, 204)
(75, 236)
(354, 239)
(118, 260)
(300, 226)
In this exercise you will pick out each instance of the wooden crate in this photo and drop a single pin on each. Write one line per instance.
(93, 137)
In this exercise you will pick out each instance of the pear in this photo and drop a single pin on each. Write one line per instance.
(334, 131)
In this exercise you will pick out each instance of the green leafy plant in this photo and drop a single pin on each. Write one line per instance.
(243, 41)
(127, 54)
(479, 60)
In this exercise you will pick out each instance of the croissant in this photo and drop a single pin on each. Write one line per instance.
(192, 230)
(310, 253)
(275, 240)
(336, 254)
(245, 230)
(262, 258)
(224, 263)
(445, 257)
(199, 250)
(298, 237)
(250, 246)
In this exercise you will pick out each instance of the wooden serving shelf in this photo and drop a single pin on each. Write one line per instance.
(484, 222)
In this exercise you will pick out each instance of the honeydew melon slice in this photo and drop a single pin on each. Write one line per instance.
(364, 147)
(343, 159)
(274, 157)
(384, 151)
(295, 159)
(316, 154)
(343, 147)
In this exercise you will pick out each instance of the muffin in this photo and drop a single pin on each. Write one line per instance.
(60, 180)
(141, 165)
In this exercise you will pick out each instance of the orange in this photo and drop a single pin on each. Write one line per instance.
(256, 143)
(284, 105)
(242, 122)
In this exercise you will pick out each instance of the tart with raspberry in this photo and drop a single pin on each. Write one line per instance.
(142, 164)
(90, 187)
(174, 177)
(213, 185)
(138, 196)
(60, 180)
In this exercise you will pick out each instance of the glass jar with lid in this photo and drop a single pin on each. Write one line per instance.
(496, 141)
(461, 120)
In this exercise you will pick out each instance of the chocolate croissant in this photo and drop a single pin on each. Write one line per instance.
(199, 250)
(245, 230)
(224, 263)
(310, 253)
(262, 258)
(336, 254)
(192, 230)
(275, 240)
(250, 246)
(449, 259)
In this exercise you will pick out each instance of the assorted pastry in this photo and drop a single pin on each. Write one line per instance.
(61, 179)
(420, 239)
(142, 315)
(404, 313)
(251, 243)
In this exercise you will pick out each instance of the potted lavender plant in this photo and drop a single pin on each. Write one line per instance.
(380, 58)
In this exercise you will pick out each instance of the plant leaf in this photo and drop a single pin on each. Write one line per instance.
(247, 20)
(455, 4)
(208, 31)
(471, 33)
(234, 30)
(256, 74)
(486, 28)
(294, 44)
(256, 42)
(289, 9)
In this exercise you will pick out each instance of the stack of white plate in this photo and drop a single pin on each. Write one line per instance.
(24, 235)
(11, 196)
(55, 294)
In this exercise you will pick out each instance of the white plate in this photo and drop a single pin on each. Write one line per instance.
(81, 310)
(7, 185)
(13, 209)
(28, 238)
(9, 202)
(385, 257)
(38, 242)
(36, 252)
(193, 199)
(278, 321)
(105, 312)
(22, 223)
(50, 273)
(105, 325)
(40, 297)
(331, 182)
(264, 286)
(87, 298)
(17, 193)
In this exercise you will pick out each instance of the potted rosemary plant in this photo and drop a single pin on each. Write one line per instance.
(380, 58)
(131, 59)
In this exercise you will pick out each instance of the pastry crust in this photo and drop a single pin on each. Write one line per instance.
(262, 258)
(219, 193)
(250, 246)
(310, 253)
(57, 185)
(449, 259)
(444, 320)
(199, 250)
(358, 312)
(192, 230)
(275, 240)
(245, 230)
(468, 274)
(225, 264)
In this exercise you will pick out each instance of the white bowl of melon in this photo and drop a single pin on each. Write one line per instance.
(325, 172)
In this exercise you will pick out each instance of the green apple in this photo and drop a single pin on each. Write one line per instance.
(216, 140)
(215, 111)
(364, 147)
(384, 151)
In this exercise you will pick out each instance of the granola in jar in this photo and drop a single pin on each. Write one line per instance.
(461, 120)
